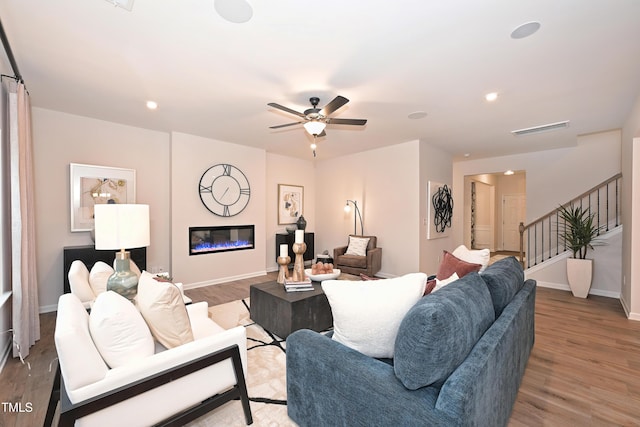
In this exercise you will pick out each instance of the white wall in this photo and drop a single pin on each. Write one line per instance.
(435, 165)
(291, 171)
(385, 183)
(631, 213)
(607, 268)
(60, 139)
(191, 156)
(599, 154)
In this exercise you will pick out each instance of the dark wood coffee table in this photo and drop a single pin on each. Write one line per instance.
(281, 312)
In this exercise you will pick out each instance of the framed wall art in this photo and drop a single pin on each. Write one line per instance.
(439, 210)
(290, 203)
(95, 185)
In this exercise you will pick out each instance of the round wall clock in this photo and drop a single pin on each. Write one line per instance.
(224, 190)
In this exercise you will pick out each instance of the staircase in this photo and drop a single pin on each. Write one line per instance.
(540, 240)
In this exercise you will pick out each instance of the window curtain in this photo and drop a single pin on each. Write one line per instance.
(24, 281)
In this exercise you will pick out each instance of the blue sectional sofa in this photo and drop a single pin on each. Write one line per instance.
(460, 355)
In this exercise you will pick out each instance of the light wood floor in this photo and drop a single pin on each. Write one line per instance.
(584, 369)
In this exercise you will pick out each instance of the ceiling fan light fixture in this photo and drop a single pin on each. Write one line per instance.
(314, 127)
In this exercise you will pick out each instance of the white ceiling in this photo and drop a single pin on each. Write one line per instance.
(214, 78)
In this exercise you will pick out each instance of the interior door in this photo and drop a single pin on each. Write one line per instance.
(513, 213)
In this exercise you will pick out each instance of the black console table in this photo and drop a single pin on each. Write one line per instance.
(289, 239)
(89, 255)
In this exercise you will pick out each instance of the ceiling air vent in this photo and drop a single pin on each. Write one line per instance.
(541, 128)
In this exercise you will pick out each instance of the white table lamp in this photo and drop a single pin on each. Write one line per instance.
(121, 227)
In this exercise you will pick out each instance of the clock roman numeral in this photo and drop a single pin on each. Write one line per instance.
(246, 191)
(225, 211)
(204, 189)
(226, 170)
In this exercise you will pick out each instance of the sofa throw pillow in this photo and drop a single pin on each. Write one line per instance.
(504, 279)
(357, 246)
(474, 256)
(439, 332)
(451, 264)
(118, 330)
(79, 281)
(442, 283)
(162, 307)
(100, 273)
(367, 315)
(431, 285)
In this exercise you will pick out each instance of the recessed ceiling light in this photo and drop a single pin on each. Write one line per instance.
(236, 11)
(152, 105)
(509, 172)
(417, 115)
(525, 30)
(491, 96)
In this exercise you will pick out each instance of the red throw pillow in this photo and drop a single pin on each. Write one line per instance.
(365, 277)
(450, 264)
(431, 284)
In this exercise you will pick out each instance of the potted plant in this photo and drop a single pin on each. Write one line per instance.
(579, 233)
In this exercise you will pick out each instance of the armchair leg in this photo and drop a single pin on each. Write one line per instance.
(53, 399)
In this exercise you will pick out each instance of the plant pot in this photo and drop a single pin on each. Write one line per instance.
(579, 274)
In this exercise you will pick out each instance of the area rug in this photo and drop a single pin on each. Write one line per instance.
(265, 378)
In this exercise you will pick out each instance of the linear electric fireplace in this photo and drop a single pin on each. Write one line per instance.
(206, 240)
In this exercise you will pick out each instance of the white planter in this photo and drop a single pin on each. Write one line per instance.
(579, 274)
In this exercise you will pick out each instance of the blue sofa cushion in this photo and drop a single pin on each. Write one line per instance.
(439, 331)
(504, 279)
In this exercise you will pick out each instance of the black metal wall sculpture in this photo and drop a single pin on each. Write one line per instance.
(443, 208)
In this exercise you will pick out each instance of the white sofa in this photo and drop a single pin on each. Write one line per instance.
(204, 374)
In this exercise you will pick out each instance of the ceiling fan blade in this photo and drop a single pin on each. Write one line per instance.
(282, 126)
(358, 122)
(337, 102)
(287, 109)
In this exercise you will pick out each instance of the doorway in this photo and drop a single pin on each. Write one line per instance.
(494, 206)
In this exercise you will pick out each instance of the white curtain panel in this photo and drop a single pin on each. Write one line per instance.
(26, 320)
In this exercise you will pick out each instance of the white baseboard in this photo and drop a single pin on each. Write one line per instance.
(385, 275)
(48, 308)
(223, 280)
(565, 287)
(627, 312)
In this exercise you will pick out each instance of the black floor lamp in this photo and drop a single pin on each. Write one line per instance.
(347, 208)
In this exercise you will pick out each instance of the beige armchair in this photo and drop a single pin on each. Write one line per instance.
(160, 387)
(369, 264)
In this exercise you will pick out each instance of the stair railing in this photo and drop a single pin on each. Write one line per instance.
(543, 238)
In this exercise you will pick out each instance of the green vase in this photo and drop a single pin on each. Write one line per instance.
(123, 281)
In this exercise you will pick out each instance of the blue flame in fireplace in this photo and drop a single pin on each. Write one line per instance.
(221, 246)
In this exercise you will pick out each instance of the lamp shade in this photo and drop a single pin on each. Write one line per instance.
(121, 226)
(314, 127)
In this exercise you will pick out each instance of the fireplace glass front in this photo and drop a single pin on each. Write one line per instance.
(206, 240)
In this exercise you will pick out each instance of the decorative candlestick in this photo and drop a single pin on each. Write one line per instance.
(284, 263)
(298, 266)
